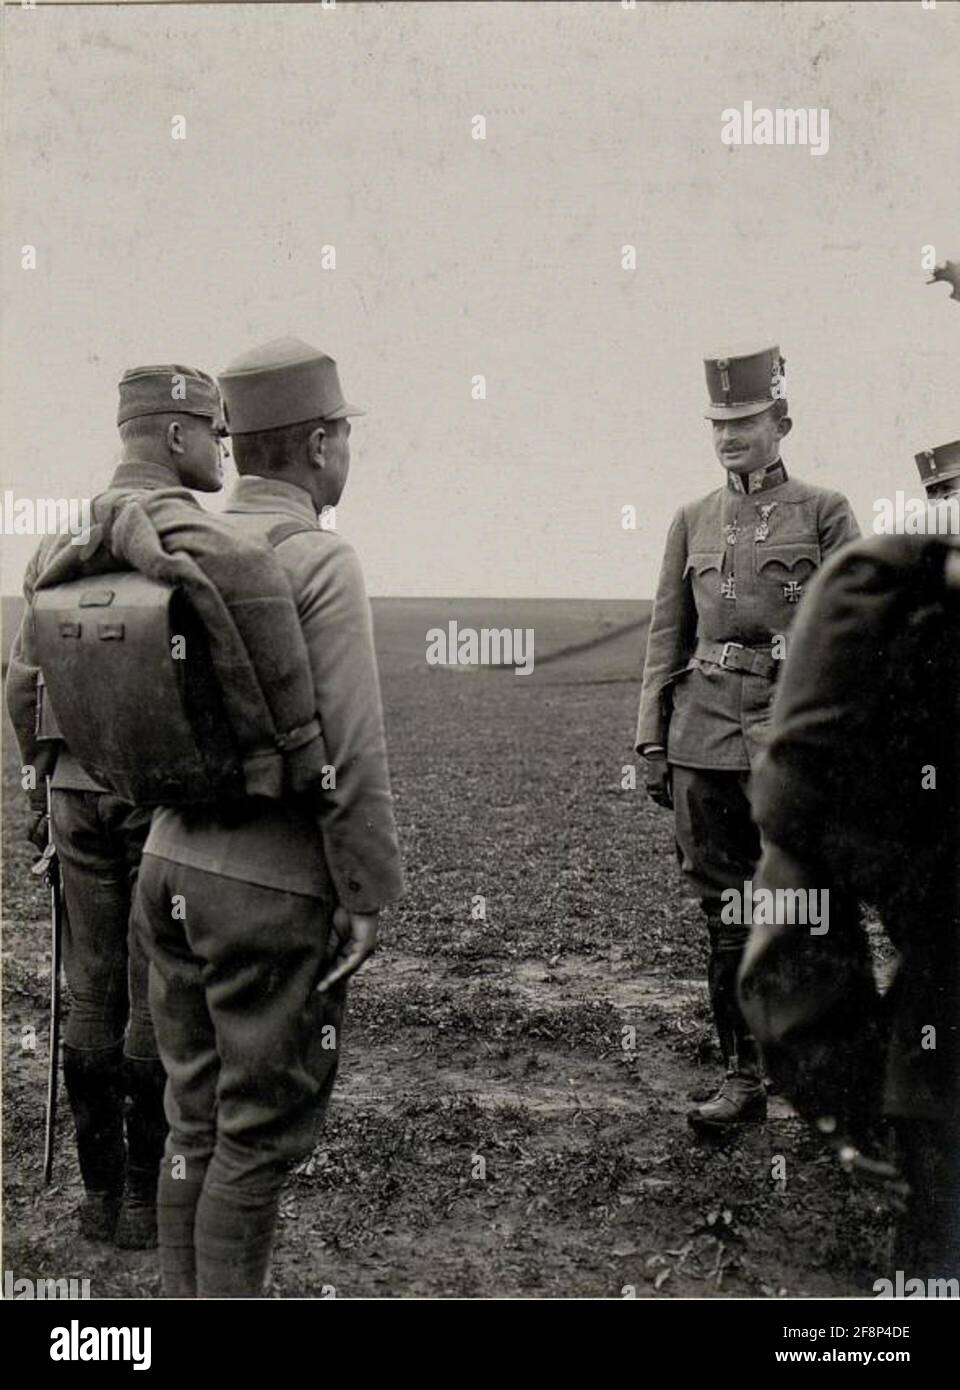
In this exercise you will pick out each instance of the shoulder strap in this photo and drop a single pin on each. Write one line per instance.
(285, 529)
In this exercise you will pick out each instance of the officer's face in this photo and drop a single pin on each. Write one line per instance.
(749, 443)
(201, 467)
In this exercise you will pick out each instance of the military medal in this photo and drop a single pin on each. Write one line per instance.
(793, 591)
(763, 529)
(728, 588)
(731, 530)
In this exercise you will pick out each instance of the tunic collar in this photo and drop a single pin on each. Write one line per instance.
(142, 473)
(252, 493)
(759, 480)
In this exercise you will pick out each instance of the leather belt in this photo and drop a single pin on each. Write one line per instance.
(734, 656)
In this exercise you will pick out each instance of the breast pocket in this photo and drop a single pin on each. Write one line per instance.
(702, 561)
(787, 565)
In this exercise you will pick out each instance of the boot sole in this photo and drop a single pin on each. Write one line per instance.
(713, 1128)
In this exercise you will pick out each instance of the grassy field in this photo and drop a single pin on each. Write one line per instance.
(498, 1039)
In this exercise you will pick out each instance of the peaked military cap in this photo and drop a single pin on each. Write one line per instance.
(157, 390)
(745, 384)
(282, 383)
(939, 465)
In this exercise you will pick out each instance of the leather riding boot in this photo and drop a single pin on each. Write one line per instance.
(94, 1087)
(721, 982)
(146, 1132)
(742, 1097)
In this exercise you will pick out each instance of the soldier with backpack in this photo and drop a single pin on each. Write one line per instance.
(113, 1077)
(255, 913)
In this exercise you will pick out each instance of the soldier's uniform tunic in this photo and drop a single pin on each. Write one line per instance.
(734, 571)
(250, 1048)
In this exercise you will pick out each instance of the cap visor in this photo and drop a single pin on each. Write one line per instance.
(344, 411)
(736, 412)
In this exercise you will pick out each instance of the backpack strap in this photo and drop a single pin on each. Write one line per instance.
(285, 529)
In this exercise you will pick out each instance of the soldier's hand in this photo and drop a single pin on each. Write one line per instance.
(659, 781)
(38, 830)
(353, 938)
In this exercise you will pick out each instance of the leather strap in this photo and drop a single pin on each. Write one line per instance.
(734, 656)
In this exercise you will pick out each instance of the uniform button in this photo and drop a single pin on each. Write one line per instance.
(353, 885)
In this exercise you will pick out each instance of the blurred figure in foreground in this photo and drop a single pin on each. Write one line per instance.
(857, 794)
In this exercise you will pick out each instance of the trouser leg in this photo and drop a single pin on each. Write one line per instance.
(100, 841)
(146, 1123)
(718, 847)
(250, 1052)
(277, 1074)
(95, 966)
(188, 1051)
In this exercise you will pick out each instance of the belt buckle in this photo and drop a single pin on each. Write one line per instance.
(723, 654)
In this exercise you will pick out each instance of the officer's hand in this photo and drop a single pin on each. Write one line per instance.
(354, 937)
(659, 787)
(38, 830)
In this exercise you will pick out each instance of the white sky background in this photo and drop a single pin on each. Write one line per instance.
(352, 126)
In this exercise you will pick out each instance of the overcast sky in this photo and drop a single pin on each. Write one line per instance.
(455, 257)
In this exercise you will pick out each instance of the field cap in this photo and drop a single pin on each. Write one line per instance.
(939, 465)
(171, 388)
(282, 383)
(745, 384)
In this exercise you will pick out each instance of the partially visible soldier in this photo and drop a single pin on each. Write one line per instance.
(940, 471)
(859, 795)
(280, 899)
(113, 1077)
(735, 568)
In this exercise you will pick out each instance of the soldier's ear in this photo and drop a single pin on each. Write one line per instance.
(784, 426)
(175, 437)
(315, 446)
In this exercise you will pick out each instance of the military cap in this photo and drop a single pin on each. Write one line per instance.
(939, 465)
(282, 383)
(745, 384)
(158, 390)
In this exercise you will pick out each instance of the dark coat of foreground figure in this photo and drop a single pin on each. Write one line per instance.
(858, 794)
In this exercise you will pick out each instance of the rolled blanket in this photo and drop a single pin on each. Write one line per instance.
(241, 595)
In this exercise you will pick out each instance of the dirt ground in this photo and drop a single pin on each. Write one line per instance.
(495, 1131)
